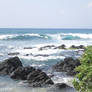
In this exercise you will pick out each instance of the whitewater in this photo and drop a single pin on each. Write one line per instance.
(60, 36)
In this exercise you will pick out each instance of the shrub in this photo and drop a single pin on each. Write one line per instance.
(83, 81)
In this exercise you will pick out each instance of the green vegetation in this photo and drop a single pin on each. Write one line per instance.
(83, 81)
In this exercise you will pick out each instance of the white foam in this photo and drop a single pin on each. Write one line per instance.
(36, 54)
(60, 77)
(57, 37)
(32, 34)
(36, 65)
(36, 51)
(61, 35)
(2, 37)
(7, 36)
(1, 54)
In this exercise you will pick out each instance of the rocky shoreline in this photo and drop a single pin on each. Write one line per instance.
(67, 65)
(47, 47)
(36, 77)
(14, 68)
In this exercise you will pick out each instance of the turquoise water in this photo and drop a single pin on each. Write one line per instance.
(45, 35)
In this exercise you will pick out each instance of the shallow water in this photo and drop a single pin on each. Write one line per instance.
(9, 85)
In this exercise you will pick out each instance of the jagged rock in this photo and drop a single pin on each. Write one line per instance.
(82, 47)
(47, 47)
(68, 66)
(61, 87)
(14, 53)
(9, 65)
(77, 47)
(61, 46)
(21, 73)
(35, 77)
(38, 78)
(14, 68)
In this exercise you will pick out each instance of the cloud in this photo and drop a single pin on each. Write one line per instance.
(90, 5)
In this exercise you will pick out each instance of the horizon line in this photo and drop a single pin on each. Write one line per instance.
(39, 28)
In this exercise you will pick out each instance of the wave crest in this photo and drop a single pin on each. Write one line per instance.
(62, 36)
(22, 37)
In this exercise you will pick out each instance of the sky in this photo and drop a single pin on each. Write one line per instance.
(45, 13)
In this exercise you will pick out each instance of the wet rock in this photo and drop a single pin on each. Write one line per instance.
(27, 55)
(47, 47)
(61, 87)
(77, 47)
(68, 66)
(43, 55)
(61, 46)
(27, 47)
(14, 53)
(9, 65)
(35, 77)
(82, 47)
(38, 78)
(31, 54)
(21, 73)
(73, 46)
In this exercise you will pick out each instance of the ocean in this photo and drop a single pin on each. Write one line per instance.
(26, 44)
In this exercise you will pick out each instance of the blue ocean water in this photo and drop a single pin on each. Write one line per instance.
(27, 43)
(14, 40)
(42, 31)
(42, 35)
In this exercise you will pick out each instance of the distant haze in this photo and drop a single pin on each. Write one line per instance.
(46, 13)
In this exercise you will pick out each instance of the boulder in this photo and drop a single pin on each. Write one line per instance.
(61, 87)
(68, 66)
(77, 47)
(9, 65)
(38, 78)
(21, 73)
(35, 77)
(14, 68)
(82, 47)
(61, 46)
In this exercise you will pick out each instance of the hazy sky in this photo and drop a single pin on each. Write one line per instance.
(46, 13)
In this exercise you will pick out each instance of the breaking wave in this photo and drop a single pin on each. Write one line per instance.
(62, 36)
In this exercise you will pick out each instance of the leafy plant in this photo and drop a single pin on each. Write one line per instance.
(83, 81)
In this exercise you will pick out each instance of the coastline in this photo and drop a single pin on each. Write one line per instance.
(67, 79)
(43, 50)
